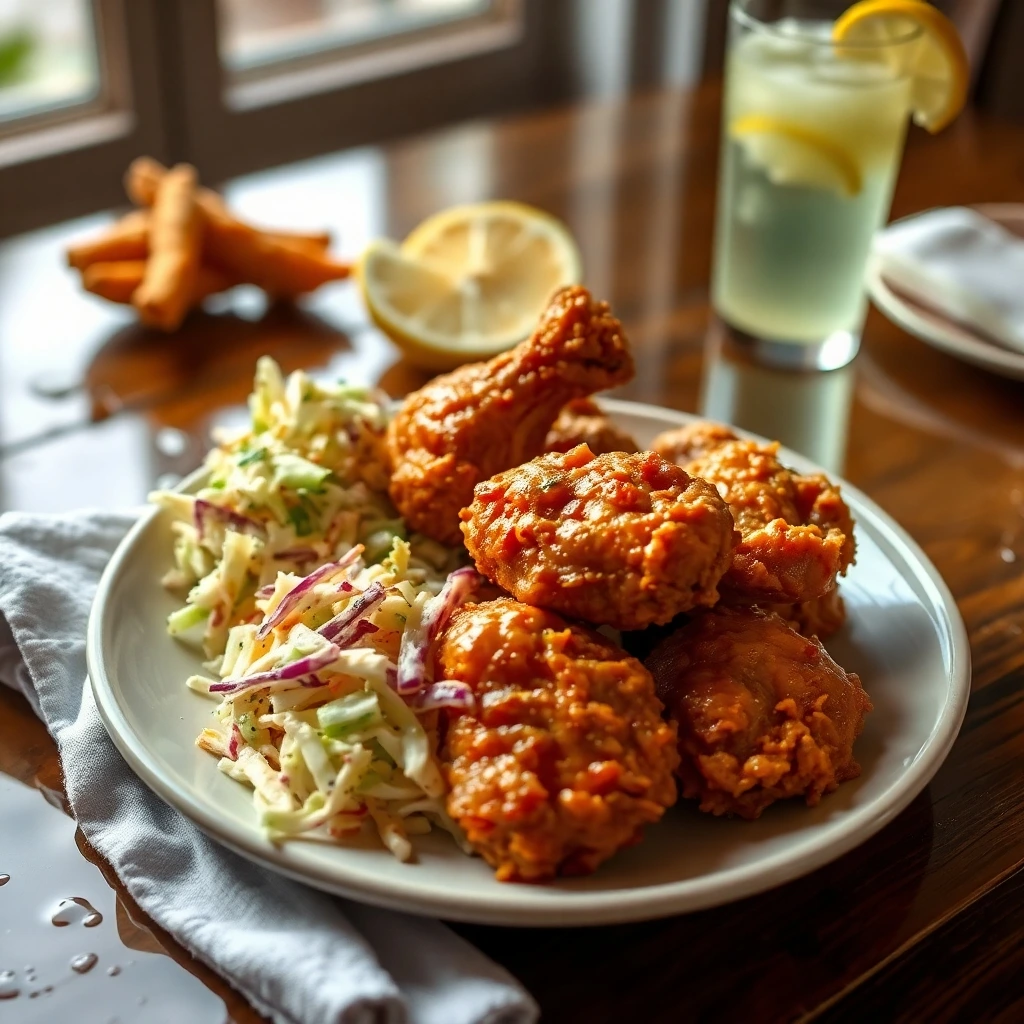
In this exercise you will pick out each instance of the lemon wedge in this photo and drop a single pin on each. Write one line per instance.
(936, 60)
(792, 154)
(469, 282)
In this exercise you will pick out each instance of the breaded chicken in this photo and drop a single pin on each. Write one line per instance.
(468, 425)
(583, 422)
(566, 757)
(763, 713)
(623, 540)
(797, 532)
(683, 444)
(820, 617)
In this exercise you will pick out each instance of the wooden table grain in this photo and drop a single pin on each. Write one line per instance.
(925, 921)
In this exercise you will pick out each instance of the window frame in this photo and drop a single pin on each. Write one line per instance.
(162, 93)
(69, 160)
(350, 96)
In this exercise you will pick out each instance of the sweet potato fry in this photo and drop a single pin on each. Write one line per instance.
(117, 281)
(312, 239)
(175, 237)
(145, 174)
(282, 266)
(141, 179)
(128, 239)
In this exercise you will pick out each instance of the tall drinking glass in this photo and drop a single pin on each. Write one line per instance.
(812, 134)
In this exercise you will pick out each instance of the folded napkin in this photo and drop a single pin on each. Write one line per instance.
(298, 955)
(961, 264)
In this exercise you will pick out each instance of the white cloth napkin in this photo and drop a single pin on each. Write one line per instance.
(961, 264)
(298, 955)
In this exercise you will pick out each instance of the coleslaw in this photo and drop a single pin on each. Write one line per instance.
(316, 614)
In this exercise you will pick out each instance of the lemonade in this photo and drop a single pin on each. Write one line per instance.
(812, 137)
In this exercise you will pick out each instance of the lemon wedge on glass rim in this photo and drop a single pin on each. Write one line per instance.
(936, 59)
(793, 154)
(469, 282)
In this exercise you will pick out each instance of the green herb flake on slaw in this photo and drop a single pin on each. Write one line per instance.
(304, 592)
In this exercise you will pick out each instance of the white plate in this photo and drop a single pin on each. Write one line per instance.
(904, 636)
(938, 330)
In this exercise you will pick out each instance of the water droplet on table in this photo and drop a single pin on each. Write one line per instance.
(1008, 555)
(113, 970)
(75, 909)
(171, 441)
(83, 963)
(45, 864)
(167, 481)
(55, 384)
(4, 879)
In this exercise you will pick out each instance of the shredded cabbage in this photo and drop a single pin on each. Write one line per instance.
(308, 714)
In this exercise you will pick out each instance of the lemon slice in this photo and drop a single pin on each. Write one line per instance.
(792, 154)
(936, 60)
(469, 282)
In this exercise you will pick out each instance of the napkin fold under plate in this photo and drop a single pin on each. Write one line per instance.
(298, 955)
(964, 265)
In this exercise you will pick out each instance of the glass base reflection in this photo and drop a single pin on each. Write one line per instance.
(806, 407)
(831, 353)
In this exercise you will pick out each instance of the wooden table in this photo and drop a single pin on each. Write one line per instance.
(923, 922)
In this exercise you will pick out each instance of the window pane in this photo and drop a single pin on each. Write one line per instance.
(257, 32)
(47, 56)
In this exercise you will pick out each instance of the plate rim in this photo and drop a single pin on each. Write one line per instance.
(528, 908)
(955, 340)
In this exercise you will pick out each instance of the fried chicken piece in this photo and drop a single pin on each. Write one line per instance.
(566, 757)
(820, 617)
(485, 417)
(583, 422)
(797, 532)
(683, 444)
(763, 713)
(619, 539)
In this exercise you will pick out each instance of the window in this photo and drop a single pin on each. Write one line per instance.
(269, 82)
(235, 85)
(47, 58)
(78, 99)
(254, 35)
